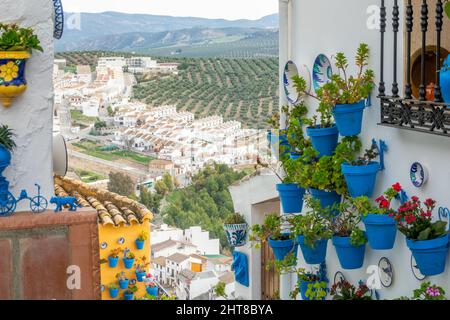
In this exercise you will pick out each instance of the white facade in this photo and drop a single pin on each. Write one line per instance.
(200, 239)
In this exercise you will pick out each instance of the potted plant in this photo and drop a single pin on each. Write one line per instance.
(123, 280)
(140, 241)
(113, 290)
(236, 229)
(128, 259)
(381, 228)
(141, 268)
(313, 231)
(129, 293)
(310, 286)
(361, 174)
(346, 95)
(349, 240)
(344, 290)
(150, 286)
(281, 242)
(427, 291)
(16, 45)
(427, 240)
(113, 257)
(324, 134)
(7, 145)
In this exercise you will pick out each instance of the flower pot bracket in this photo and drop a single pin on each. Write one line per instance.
(382, 147)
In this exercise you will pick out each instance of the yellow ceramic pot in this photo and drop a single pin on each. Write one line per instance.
(12, 75)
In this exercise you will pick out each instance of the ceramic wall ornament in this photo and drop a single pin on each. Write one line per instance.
(338, 277)
(291, 70)
(12, 75)
(418, 174)
(8, 203)
(102, 288)
(59, 19)
(133, 282)
(386, 272)
(121, 240)
(415, 269)
(322, 71)
(103, 245)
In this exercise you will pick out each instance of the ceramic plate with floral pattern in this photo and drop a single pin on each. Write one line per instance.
(322, 71)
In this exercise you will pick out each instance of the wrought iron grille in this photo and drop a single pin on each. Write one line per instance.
(409, 113)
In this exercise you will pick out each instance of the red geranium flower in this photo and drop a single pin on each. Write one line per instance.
(430, 202)
(397, 187)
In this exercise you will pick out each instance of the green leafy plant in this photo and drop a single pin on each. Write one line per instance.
(429, 292)
(345, 89)
(415, 220)
(130, 255)
(143, 236)
(346, 224)
(121, 276)
(313, 225)
(14, 38)
(142, 264)
(364, 207)
(317, 289)
(271, 228)
(219, 290)
(344, 290)
(113, 286)
(114, 253)
(369, 155)
(384, 201)
(6, 138)
(235, 218)
(131, 289)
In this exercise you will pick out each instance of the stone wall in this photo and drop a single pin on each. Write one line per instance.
(31, 114)
(40, 253)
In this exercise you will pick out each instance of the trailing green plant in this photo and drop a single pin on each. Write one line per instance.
(142, 264)
(313, 225)
(364, 207)
(130, 255)
(429, 292)
(346, 224)
(131, 289)
(271, 228)
(15, 38)
(415, 220)
(294, 127)
(344, 290)
(368, 157)
(235, 218)
(285, 266)
(345, 89)
(114, 253)
(219, 290)
(290, 167)
(6, 138)
(317, 289)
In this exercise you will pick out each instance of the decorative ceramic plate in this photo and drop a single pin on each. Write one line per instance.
(121, 240)
(415, 269)
(104, 245)
(290, 71)
(386, 272)
(418, 174)
(322, 71)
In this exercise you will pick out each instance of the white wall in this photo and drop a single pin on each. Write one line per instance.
(31, 114)
(329, 26)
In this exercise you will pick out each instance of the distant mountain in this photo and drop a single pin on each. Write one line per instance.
(121, 31)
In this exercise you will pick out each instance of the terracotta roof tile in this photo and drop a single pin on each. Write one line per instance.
(106, 203)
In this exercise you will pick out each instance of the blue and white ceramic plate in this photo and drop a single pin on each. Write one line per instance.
(418, 174)
(322, 71)
(290, 71)
(386, 272)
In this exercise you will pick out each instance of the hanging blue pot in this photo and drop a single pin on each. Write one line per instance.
(381, 231)
(349, 118)
(444, 76)
(360, 179)
(281, 248)
(294, 155)
(123, 284)
(140, 276)
(128, 296)
(315, 254)
(113, 293)
(350, 257)
(236, 234)
(291, 197)
(140, 244)
(324, 140)
(304, 287)
(113, 261)
(326, 198)
(128, 263)
(5, 158)
(152, 291)
(430, 255)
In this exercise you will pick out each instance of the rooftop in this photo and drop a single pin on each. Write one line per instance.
(178, 257)
(161, 261)
(164, 245)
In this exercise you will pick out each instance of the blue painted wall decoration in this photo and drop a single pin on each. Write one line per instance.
(418, 174)
(322, 71)
(8, 203)
(59, 19)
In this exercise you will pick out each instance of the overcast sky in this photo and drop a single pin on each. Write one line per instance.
(225, 9)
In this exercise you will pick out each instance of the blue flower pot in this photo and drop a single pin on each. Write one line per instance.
(349, 118)
(128, 296)
(360, 179)
(294, 156)
(324, 140)
(316, 254)
(5, 159)
(123, 284)
(326, 198)
(128, 263)
(153, 291)
(13, 82)
(140, 244)
(430, 255)
(444, 76)
(281, 248)
(140, 276)
(236, 234)
(304, 287)
(381, 231)
(350, 257)
(291, 197)
(113, 261)
(113, 293)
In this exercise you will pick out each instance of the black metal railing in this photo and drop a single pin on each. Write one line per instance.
(411, 113)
